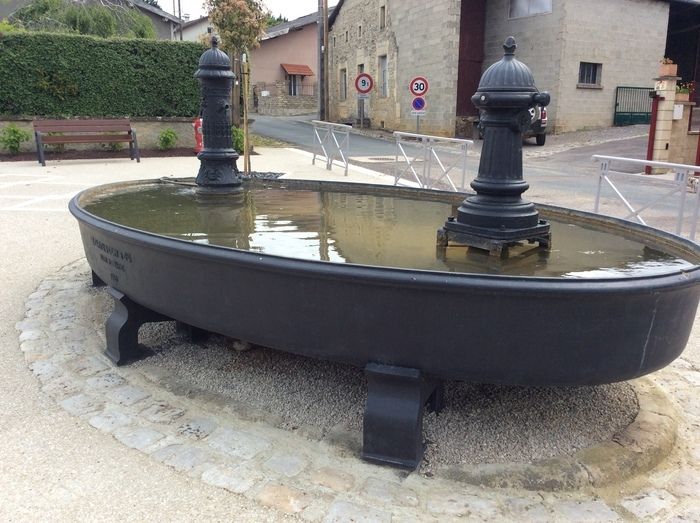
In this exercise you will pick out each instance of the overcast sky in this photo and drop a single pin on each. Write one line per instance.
(290, 9)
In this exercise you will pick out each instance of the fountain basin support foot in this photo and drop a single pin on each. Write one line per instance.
(393, 420)
(122, 329)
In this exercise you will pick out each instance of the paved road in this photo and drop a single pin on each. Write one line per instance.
(562, 170)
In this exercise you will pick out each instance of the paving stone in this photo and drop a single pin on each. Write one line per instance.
(649, 503)
(139, 438)
(62, 386)
(345, 512)
(127, 395)
(181, 457)
(34, 345)
(80, 405)
(161, 412)
(87, 365)
(62, 324)
(530, 510)
(595, 511)
(286, 499)
(198, 428)
(389, 492)
(688, 514)
(110, 419)
(104, 381)
(45, 370)
(237, 443)
(31, 334)
(28, 324)
(235, 479)
(686, 483)
(333, 479)
(465, 505)
(286, 464)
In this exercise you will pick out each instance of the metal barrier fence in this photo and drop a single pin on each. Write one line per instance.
(682, 182)
(429, 150)
(331, 139)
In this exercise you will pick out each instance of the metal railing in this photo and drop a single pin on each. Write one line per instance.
(428, 153)
(683, 181)
(331, 141)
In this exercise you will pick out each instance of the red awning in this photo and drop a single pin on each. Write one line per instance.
(301, 70)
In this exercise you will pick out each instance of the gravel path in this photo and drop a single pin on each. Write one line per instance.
(480, 423)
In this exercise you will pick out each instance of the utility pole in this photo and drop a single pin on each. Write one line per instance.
(326, 54)
(322, 48)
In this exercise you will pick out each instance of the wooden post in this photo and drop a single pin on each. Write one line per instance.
(245, 73)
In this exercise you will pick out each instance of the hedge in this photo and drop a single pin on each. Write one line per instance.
(56, 75)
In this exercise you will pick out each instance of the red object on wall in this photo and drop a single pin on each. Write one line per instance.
(198, 136)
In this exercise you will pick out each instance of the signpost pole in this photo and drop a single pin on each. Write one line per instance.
(417, 124)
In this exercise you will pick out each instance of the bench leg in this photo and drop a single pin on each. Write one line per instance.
(131, 150)
(122, 328)
(40, 149)
(393, 421)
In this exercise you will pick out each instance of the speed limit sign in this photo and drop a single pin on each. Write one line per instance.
(364, 83)
(419, 86)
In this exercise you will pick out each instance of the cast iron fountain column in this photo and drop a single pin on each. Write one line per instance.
(497, 217)
(218, 168)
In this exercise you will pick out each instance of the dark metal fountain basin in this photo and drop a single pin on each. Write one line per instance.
(408, 328)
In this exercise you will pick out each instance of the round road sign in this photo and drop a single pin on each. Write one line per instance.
(364, 83)
(418, 104)
(418, 86)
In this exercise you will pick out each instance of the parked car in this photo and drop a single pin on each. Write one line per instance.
(538, 125)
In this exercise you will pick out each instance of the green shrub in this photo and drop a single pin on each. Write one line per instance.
(238, 139)
(115, 146)
(11, 138)
(58, 75)
(167, 139)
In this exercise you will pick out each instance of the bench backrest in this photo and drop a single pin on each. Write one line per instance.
(82, 126)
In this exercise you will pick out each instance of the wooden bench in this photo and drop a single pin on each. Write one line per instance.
(84, 131)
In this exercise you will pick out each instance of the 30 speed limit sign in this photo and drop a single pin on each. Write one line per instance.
(419, 86)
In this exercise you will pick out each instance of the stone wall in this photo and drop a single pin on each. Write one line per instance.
(627, 37)
(279, 103)
(419, 39)
(147, 132)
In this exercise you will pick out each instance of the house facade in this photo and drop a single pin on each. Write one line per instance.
(284, 68)
(578, 51)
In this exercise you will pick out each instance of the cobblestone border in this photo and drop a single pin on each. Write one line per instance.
(62, 343)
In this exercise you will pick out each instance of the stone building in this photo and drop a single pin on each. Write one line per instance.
(578, 51)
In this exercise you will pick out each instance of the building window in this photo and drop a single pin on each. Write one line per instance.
(383, 76)
(382, 17)
(334, 41)
(346, 37)
(359, 31)
(589, 74)
(523, 8)
(343, 84)
(294, 84)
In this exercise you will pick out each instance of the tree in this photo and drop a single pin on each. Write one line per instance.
(240, 23)
(93, 17)
(154, 3)
(272, 20)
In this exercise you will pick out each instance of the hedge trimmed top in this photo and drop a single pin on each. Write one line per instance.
(56, 75)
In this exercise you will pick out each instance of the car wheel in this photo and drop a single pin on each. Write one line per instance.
(540, 139)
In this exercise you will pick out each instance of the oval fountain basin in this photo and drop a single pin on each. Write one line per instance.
(351, 273)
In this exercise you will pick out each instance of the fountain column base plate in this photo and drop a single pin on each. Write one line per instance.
(496, 241)
(393, 420)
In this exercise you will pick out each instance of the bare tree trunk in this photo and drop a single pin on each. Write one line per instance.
(236, 91)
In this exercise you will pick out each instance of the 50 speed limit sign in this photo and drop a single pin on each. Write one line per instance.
(419, 86)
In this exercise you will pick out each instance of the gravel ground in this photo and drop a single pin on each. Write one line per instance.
(480, 423)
